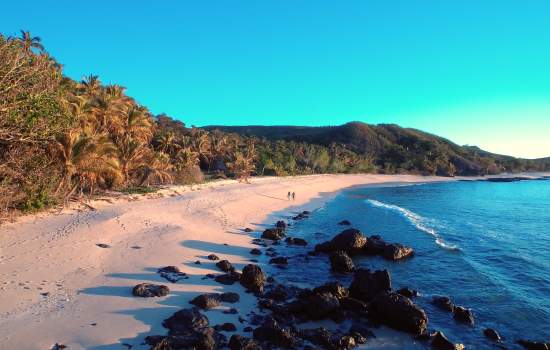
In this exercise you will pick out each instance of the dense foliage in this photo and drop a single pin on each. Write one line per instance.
(61, 139)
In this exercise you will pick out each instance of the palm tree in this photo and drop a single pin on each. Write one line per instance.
(91, 85)
(30, 42)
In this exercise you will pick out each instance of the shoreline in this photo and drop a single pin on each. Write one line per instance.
(89, 303)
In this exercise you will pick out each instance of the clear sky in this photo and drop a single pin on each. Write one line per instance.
(474, 71)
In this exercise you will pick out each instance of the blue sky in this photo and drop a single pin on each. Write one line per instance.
(476, 72)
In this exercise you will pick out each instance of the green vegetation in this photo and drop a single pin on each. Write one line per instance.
(61, 139)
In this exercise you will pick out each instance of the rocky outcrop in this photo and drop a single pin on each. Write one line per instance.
(253, 278)
(375, 246)
(238, 342)
(440, 342)
(399, 312)
(325, 339)
(534, 345)
(367, 284)
(272, 333)
(397, 251)
(350, 241)
(463, 315)
(148, 290)
(274, 234)
(491, 334)
(341, 262)
(407, 292)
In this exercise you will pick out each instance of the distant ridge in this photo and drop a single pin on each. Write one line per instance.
(390, 144)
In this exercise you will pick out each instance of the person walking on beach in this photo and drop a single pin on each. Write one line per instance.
(288, 195)
(293, 196)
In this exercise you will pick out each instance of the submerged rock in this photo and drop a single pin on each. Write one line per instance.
(407, 292)
(491, 334)
(399, 312)
(226, 327)
(341, 262)
(274, 234)
(350, 241)
(148, 290)
(255, 251)
(296, 241)
(463, 315)
(444, 303)
(253, 278)
(366, 284)
(281, 260)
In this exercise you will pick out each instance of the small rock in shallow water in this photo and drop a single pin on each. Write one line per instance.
(248, 229)
(281, 260)
(229, 297)
(253, 278)
(255, 251)
(397, 252)
(440, 342)
(534, 345)
(463, 315)
(341, 262)
(206, 301)
(491, 334)
(225, 266)
(226, 327)
(148, 290)
(197, 262)
(444, 303)
(407, 292)
(213, 257)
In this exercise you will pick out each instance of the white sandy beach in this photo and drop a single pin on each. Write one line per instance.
(89, 304)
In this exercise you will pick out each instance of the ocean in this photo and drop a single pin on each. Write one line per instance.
(485, 245)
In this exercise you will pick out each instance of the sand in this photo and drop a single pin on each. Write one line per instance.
(58, 286)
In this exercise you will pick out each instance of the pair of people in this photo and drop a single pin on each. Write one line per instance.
(291, 195)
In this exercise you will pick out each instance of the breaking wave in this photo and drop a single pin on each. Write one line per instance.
(416, 220)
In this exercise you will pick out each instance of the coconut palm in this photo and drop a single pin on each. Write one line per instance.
(91, 85)
(30, 42)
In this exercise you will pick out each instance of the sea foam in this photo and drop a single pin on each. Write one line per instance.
(418, 221)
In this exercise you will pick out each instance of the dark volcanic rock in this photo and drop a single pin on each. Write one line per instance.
(226, 327)
(341, 262)
(147, 290)
(206, 301)
(334, 288)
(491, 334)
(229, 297)
(399, 312)
(296, 241)
(358, 329)
(375, 245)
(228, 278)
(238, 342)
(281, 224)
(275, 234)
(367, 285)
(172, 273)
(279, 293)
(103, 245)
(326, 339)
(203, 339)
(272, 333)
(350, 240)
(407, 292)
(344, 223)
(534, 345)
(185, 320)
(440, 342)
(397, 251)
(253, 278)
(213, 257)
(248, 229)
(225, 266)
(463, 315)
(255, 251)
(280, 260)
(444, 303)
(321, 305)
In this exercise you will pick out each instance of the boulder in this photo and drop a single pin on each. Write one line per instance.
(206, 301)
(238, 342)
(255, 251)
(444, 303)
(225, 266)
(397, 251)
(463, 315)
(491, 334)
(407, 292)
(326, 339)
(440, 342)
(275, 335)
(341, 262)
(185, 320)
(366, 284)
(172, 273)
(399, 312)
(278, 293)
(229, 297)
(320, 306)
(213, 257)
(205, 339)
(351, 241)
(274, 234)
(253, 278)
(534, 345)
(296, 241)
(375, 245)
(148, 290)
(228, 278)
(334, 288)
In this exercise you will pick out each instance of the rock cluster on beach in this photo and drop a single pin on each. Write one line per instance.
(369, 300)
